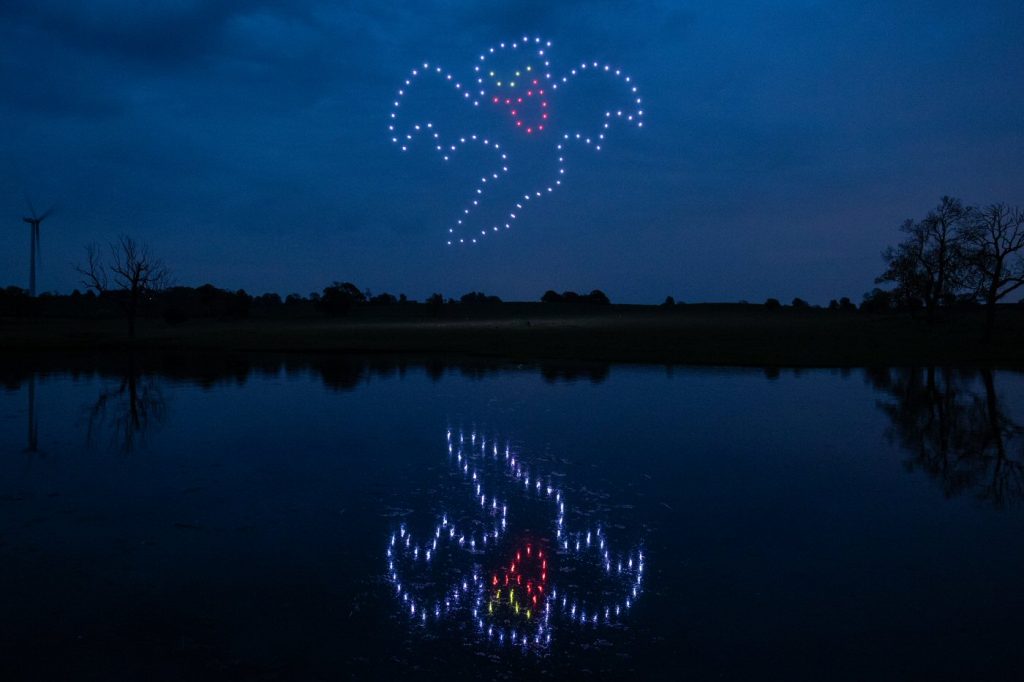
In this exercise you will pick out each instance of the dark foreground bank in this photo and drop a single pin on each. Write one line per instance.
(695, 334)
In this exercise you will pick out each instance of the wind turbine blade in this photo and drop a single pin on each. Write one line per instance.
(46, 214)
(31, 208)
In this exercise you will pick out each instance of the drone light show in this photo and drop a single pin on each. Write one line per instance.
(484, 568)
(512, 95)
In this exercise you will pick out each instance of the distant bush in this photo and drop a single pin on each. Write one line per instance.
(772, 304)
(478, 297)
(669, 302)
(339, 298)
(15, 302)
(800, 303)
(843, 305)
(596, 296)
(877, 301)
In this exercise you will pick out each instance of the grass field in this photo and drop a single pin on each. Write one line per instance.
(692, 334)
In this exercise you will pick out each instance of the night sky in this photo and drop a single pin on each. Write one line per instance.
(247, 142)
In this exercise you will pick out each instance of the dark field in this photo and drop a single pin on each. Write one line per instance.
(693, 334)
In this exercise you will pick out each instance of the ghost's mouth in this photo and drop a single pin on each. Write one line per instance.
(528, 106)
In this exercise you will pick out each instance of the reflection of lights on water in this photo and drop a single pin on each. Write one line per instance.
(520, 602)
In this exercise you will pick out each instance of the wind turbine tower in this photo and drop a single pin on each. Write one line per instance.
(35, 253)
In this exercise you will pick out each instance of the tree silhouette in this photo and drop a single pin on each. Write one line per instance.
(131, 274)
(930, 265)
(995, 241)
(339, 298)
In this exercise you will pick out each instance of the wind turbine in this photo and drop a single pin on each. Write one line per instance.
(35, 252)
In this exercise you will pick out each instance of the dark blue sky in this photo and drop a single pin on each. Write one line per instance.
(783, 143)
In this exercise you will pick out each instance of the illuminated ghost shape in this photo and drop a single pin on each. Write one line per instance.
(503, 586)
(527, 96)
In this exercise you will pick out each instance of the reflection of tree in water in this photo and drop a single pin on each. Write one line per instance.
(953, 424)
(127, 409)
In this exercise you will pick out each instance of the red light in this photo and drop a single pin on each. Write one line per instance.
(534, 600)
(529, 130)
(540, 127)
(519, 123)
(535, 82)
(495, 581)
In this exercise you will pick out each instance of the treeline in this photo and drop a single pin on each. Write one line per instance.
(955, 258)
(178, 304)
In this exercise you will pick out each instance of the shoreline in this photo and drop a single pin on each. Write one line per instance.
(687, 335)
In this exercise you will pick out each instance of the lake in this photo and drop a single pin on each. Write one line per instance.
(304, 517)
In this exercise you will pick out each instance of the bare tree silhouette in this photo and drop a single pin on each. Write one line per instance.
(132, 274)
(929, 266)
(996, 242)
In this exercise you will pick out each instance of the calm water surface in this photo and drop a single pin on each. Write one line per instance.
(263, 518)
